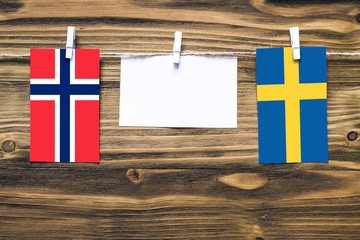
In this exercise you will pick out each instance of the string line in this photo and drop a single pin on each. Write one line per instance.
(129, 54)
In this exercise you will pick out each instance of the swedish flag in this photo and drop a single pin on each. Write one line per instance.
(291, 98)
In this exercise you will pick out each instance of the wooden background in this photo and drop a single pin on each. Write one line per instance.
(180, 183)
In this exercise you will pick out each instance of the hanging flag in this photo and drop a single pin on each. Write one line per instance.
(291, 98)
(64, 106)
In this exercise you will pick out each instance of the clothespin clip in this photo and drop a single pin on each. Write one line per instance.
(177, 47)
(70, 42)
(295, 42)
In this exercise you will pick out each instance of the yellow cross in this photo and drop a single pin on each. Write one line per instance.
(292, 91)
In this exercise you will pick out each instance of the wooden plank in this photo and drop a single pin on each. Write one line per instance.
(186, 147)
(180, 204)
(179, 183)
(149, 25)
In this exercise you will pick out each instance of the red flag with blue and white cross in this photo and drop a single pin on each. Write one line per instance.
(64, 105)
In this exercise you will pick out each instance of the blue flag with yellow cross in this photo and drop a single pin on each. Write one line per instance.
(291, 97)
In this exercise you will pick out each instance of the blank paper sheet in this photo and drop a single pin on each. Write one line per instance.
(200, 92)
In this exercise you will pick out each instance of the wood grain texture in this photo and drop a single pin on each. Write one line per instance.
(165, 183)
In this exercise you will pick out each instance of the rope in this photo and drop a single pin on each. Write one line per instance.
(128, 54)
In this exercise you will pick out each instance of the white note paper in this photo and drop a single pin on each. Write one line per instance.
(200, 92)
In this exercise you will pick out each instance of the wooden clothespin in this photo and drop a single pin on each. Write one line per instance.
(70, 42)
(177, 47)
(295, 42)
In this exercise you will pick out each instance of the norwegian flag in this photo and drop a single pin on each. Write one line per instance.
(64, 106)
